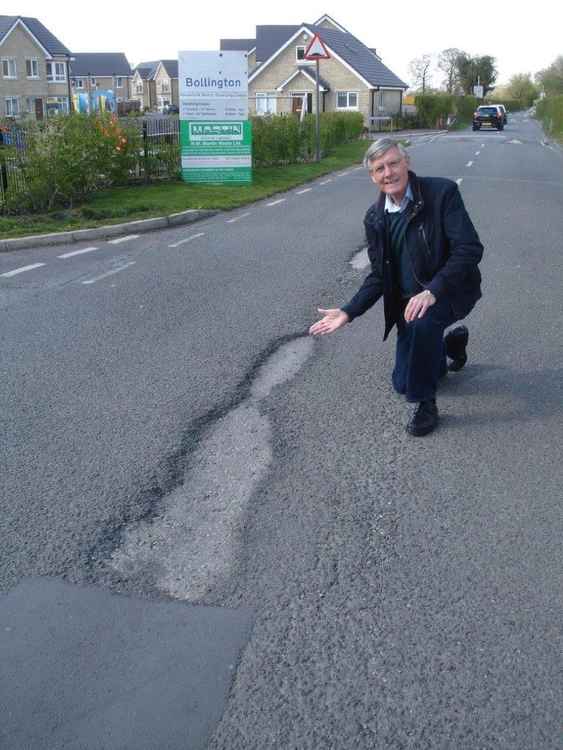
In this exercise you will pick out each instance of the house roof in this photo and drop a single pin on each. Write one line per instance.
(309, 72)
(354, 53)
(147, 70)
(47, 40)
(243, 45)
(171, 67)
(100, 64)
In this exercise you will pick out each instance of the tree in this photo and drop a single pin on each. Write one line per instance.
(419, 69)
(551, 79)
(447, 63)
(522, 88)
(473, 70)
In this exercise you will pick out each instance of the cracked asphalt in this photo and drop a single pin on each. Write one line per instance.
(407, 593)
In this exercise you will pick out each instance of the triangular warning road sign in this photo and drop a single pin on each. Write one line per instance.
(316, 50)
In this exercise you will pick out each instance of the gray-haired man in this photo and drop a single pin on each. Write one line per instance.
(424, 254)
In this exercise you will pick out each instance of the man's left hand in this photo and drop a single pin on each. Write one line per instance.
(418, 305)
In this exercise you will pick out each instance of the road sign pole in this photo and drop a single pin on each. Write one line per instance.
(318, 122)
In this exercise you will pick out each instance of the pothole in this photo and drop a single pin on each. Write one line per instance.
(190, 548)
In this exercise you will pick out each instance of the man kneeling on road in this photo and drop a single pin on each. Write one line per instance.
(424, 252)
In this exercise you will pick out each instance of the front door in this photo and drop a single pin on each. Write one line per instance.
(39, 109)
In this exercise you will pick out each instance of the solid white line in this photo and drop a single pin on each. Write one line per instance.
(21, 269)
(109, 273)
(325, 182)
(186, 239)
(459, 180)
(123, 239)
(469, 163)
(275, 203)
(77, 252)
(307, 190)
(237, 218)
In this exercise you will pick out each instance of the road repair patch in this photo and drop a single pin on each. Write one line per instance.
(84, 668)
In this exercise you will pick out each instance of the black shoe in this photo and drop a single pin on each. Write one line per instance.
(456, 347)
(424, 418)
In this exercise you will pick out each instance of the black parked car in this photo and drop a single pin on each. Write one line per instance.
(488, 115)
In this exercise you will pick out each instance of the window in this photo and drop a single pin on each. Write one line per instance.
(12, 106)
(79, 83)
(56, 105)
(56, 71)
(300, 53)
(9, 69)
(32, 67)
(347, 100)
(266, 103)
(118, 82)
(93, 82)
(139, 87)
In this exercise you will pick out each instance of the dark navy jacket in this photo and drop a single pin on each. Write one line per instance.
(443, 246)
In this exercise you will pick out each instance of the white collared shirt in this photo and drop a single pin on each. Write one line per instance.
(392, 207)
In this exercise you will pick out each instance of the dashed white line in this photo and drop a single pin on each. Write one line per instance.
(187, 239)
(77, 252)
(238, 218)
(109, 273)
(469, 163)
(343, 174)
(482, 145)
(275, 203)
(307, 190)
(325, 182)
(123, 239)
(22, 269)
(459, 180)
(477, 153)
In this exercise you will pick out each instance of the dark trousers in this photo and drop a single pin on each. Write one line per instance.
(421, 353)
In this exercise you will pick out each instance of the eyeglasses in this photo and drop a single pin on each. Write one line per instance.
(392, 164)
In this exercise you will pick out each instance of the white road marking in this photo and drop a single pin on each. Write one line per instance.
(77, 252)
(469, 163)
(482, 145)
(109, 273)
(477, 153)
(275, 203)
(325, 182)
(187, 239)
(459, 180)
(123, 239)
(238, 218)
(22, 269)
(343, 174)
(307, 190)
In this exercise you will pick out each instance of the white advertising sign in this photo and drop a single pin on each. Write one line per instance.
(213, 85)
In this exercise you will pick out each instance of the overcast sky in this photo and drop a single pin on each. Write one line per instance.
(524, 37)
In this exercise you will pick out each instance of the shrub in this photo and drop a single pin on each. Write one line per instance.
(550, 111)
(283, 139)
(68, 157)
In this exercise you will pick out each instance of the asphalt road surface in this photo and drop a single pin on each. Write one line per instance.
(169, 430)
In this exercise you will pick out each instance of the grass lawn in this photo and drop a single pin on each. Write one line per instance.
(145, 201)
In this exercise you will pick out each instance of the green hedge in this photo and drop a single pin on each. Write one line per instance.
(67, 158)
(283, 139)
(432, 110)
(550, 112)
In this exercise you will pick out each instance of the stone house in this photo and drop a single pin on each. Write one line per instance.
(34, 69)
(155, 84)
(93, 72)
(280, 80)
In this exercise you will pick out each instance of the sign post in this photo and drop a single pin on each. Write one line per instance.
(215, 133)
(317, 51)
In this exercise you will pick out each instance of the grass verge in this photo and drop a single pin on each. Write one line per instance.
(145, 201)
